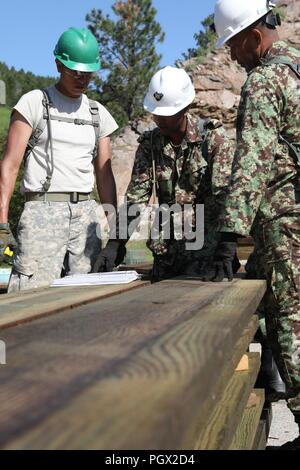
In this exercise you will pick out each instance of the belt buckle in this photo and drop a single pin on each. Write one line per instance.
(74, 197)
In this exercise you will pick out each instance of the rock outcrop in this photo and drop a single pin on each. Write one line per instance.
(217, 81)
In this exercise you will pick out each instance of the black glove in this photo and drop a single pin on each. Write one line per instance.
(7, 240)
(236, 263)
(225, 260)
(112, 255)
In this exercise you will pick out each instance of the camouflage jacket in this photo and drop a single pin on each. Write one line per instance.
(196, 173)
(264, 174)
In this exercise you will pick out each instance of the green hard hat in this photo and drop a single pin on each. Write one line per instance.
(77, 49)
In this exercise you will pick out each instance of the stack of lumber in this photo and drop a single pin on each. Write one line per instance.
(161, 366)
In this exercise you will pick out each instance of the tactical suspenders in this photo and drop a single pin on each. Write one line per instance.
(46, 119)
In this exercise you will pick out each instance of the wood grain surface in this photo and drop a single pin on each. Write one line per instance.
(250, 433)
(139, 370)
(226, 415)
(29, 305)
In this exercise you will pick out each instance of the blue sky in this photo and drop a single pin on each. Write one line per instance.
(30, 28)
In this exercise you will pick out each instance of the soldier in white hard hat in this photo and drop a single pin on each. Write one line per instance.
(264, 195)
(184, 160)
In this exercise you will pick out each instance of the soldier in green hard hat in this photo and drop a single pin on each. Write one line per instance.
(64, 140)
(78, 49)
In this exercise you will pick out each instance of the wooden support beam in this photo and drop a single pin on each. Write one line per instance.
(243, 364)
(229, 409)
(249, 433)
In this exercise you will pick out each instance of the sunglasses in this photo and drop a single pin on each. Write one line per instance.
(77, 74)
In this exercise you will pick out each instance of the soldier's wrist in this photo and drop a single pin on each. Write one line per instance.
(4, 226)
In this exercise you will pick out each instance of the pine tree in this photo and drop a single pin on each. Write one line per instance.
(205, 40)
(128, 56)
(19, 82)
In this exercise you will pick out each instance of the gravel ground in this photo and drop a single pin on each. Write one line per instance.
(283, 427)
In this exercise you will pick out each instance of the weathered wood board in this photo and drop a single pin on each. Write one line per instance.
(36, 303)
(226, 415)
(250, 432)
(138, 370)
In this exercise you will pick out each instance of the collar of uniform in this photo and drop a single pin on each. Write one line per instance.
(192, 134)
(169, 150)
(278, 48)
(76, 101)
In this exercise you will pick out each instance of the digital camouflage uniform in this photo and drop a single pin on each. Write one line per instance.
(195, 173)
(45, 231)
(263, 200)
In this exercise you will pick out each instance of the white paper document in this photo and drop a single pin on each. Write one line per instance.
(97, 279)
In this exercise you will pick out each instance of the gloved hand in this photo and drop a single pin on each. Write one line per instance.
(7, 240)
(112, 255)
(225, 262)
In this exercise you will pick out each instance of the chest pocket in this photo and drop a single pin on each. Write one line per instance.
(178, 179)
(196, 167)
(166, 180)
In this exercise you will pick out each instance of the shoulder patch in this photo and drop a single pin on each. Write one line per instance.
(146, 136)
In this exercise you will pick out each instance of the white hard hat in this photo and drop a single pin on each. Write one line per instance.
(170, 90)
(232, 17)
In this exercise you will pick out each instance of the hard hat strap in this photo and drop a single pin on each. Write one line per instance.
(272, 20)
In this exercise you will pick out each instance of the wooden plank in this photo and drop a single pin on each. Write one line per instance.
(260, 441)
(131, 371)
(267, 417)
(25, 306)
(243, 364)
(229, 409)
(246, 241)
(222, 381)
(246, 431)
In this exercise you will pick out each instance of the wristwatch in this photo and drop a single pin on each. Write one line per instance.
(4, 226)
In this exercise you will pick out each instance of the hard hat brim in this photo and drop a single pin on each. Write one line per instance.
(94, 67)
(244, 25)
(167, 110)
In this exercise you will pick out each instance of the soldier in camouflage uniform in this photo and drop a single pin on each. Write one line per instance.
(269, 377)
(263, 198)
(192, 160)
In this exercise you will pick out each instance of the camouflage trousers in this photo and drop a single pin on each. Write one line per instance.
(47, 233)
(281, 304)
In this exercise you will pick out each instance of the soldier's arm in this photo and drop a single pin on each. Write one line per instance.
(104, 176)
(139, 190)
(220, 151)
(257, 137)
(18, 135)
(105, 179)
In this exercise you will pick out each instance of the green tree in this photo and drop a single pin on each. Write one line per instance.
(19, 82)
(128, 56)
(205, 40)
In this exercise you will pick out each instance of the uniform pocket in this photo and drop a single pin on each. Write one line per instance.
(166, 187)
(277, 247)
(27, 267)
(282, 262)
(296, 265)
